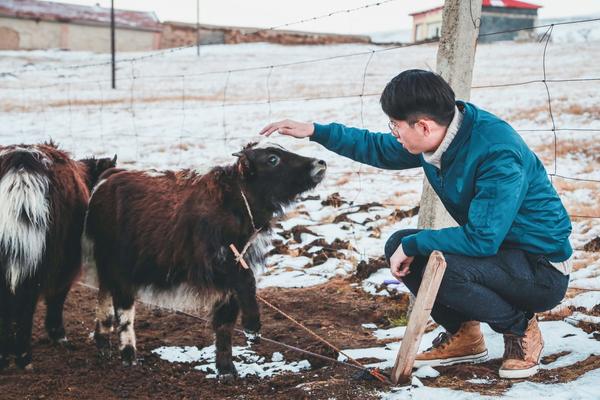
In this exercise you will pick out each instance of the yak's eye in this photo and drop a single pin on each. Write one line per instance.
(273, 160)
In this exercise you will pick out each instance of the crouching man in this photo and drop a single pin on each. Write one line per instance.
(508, 258)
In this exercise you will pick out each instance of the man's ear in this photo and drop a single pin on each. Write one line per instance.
(425, 126)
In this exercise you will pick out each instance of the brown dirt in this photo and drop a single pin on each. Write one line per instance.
(592, 245)
(334, 200)
(77, 373)
(335, 310)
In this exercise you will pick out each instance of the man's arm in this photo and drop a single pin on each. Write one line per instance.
(380, 150)
(499, 192)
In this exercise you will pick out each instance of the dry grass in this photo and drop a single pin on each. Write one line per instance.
(125, 101)
(592, 112)
(587, 147)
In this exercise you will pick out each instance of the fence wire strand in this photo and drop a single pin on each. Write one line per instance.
(226, 103)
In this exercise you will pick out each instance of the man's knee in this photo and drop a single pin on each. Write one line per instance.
(395, 240)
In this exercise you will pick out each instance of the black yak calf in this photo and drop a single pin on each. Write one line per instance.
(43, 200)
(171, 231)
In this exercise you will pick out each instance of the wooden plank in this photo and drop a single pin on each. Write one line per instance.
(432, 277)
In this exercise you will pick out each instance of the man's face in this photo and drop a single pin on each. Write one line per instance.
(413, 138)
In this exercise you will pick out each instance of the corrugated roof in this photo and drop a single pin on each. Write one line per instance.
(492, 3)
(510, 4)
(88, 15)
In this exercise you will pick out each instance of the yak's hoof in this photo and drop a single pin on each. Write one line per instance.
(227, 374)
(24, 361)
(227, 379)
(56, 334)
(4, 362)
(104, 349)
(64, 343)
(128, 356)
(102, 341)
(252, 337)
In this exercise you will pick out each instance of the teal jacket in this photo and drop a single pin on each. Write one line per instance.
(490, 182)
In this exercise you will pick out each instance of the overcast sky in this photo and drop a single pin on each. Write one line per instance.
(268, 13)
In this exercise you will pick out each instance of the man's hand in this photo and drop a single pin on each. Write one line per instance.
(400, 263)
(289, 128)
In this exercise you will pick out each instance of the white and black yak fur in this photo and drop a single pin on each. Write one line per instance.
(43, 200)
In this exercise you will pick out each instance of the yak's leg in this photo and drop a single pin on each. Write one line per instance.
(245, 290)
(54, 315)
(225, 314)
(125, 314)
(105, 317)
(5, 324)
(26, 298)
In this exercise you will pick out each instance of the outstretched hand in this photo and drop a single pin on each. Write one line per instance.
(289, 128)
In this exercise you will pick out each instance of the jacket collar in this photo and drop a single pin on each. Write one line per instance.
(463, 134)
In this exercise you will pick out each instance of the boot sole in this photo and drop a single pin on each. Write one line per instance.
(518, 373)
(443, 362)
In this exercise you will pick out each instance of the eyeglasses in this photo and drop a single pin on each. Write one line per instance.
(393, 126)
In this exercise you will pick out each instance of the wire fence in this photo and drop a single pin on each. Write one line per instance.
(184, 102)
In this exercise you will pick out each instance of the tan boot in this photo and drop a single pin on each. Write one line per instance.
(522, 354)
(465, 346)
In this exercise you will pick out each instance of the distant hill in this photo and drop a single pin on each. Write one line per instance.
(395, 36)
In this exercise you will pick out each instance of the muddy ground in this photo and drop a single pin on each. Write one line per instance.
(335, 310)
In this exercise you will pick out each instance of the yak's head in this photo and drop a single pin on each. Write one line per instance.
(96, 166)
(276, 174)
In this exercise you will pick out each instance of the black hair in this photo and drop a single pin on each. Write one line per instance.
(415, 94)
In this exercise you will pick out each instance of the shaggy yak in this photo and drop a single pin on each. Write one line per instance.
(171, 232)
(43, 200)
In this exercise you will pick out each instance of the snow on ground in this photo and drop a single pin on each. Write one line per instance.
(558, 336)
(246, 361)
(583, 388)
(184, 111)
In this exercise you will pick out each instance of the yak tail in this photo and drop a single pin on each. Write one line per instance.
(24, 212)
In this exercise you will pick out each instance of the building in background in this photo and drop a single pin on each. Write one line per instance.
(496, 16)
(30, 25)
(176, 34)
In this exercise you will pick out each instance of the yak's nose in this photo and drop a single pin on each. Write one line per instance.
(318, 170)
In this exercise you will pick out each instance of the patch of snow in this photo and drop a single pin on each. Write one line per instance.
(377, 278)
(391, 333)
(246, 361)
(586, 300)
(480, 381)
(426, 372)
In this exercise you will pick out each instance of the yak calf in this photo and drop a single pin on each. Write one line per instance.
(171, 231)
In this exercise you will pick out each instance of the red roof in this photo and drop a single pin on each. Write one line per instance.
(491, 3)
(88, 15)
(510, 4)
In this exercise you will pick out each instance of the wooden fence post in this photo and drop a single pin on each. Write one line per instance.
(432, 277)
(455, 60)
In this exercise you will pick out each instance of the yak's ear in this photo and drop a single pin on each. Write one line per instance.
(244, 166)
(114, 161)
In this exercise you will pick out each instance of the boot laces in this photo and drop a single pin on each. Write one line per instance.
(514, 347)
(442, 339)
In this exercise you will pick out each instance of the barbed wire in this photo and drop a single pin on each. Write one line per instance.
(316, 60)
(225, 103)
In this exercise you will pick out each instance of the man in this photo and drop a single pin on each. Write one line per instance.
(508, 258)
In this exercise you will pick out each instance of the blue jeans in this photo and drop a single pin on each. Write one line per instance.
(503, 291)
